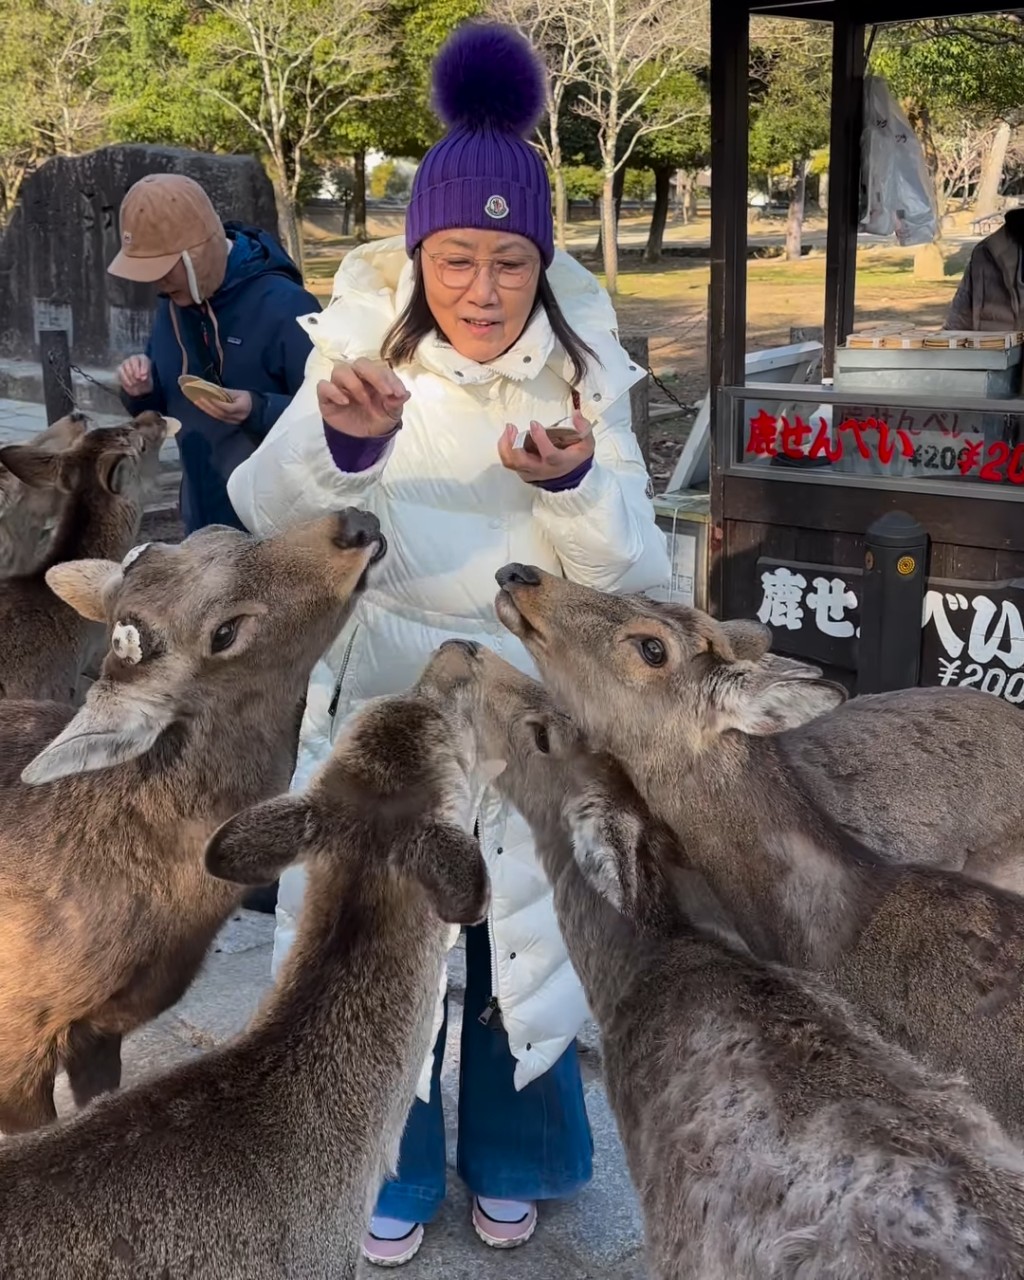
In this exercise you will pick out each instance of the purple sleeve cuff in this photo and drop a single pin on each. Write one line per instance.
(357, 453)
(562, 483)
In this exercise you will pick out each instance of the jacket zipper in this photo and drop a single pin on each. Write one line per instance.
(333, 708)
(492, 1007)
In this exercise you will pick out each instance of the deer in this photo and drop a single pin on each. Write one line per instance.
(769, 1130)
(107, 912)
(102, 478)
(24, 512)
(262, 1160)
(932, 956)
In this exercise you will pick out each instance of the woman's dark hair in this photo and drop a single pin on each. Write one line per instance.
(417, 320)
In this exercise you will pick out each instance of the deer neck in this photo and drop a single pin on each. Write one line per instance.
(230, 751)
(349, 1024)
(85, 532)
(773, 861)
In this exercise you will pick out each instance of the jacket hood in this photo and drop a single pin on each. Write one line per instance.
(374, 282)
(1013, 224)
(254, 253)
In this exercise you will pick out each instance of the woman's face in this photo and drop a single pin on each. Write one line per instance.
(481, 287)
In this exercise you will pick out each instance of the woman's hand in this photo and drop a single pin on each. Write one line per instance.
(548, 463)
(361, 399)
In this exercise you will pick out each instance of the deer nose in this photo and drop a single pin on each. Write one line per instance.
(518, 575)
(467, 646)
(357, 529)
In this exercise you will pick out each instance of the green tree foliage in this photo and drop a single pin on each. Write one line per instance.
(149, 70)
(974, 65)
(50, 100)
(582, 181)
(790, 113)
(961, 81)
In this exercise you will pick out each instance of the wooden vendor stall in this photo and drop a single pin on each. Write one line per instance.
(877, 525)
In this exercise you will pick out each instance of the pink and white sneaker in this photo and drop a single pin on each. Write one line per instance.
(390, 1243)
(504, 1224)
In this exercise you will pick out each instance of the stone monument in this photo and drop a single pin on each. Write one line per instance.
(62, 234)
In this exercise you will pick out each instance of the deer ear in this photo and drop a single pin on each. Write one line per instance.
(604, 845)
(35, 467)
(773, 696)
(256, 845)
(449, 865)
(749, 639)
(85, 585)
(117, 723)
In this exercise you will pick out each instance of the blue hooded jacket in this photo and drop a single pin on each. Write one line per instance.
(245, 338)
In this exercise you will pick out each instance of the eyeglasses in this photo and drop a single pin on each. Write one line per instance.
(457, 271)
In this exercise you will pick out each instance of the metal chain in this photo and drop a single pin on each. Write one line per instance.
(665, 391)
(69, 392)
(96, 382)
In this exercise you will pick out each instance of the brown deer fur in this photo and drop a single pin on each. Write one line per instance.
(25, 512)
(262, 1160)
(933, 957)
(919, 775)
(103, 477)
(105, 910)
(769, 1131)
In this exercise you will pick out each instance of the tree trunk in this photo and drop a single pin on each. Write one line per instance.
(618, 186)
(992, 171)
(686, 188)
(561, 208)
(795, 221)
(359, 197)
(609, 238)
(662, 190)
(288, 220)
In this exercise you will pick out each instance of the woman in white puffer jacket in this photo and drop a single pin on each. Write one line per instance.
(432, 354)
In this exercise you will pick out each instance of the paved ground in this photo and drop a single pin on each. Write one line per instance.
(595, 1237)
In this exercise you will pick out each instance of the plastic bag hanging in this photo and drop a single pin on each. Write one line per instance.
(897, 192)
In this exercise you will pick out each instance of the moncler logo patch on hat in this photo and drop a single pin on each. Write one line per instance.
(496, 207)
(127, 237)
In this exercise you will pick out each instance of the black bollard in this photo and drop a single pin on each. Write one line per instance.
(891, 604)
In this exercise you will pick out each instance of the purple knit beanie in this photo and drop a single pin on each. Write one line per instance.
(489, 89)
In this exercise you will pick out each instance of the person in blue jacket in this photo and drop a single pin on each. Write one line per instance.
(229, 299)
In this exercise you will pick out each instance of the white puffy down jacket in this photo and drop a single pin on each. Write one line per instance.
(453, 515)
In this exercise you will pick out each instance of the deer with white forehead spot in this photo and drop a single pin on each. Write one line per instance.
(934, 957)
(262, 1160)
(105, 909)
(769, 1130)
(102, 478)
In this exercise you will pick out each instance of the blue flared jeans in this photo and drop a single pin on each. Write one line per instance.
(534, 1144)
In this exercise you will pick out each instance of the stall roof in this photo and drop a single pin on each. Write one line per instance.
(869, 12)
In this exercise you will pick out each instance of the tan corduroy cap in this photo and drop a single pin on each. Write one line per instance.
(162, 216)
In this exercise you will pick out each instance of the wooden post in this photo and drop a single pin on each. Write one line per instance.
(55, 357)
(848, 61)
(637, 348)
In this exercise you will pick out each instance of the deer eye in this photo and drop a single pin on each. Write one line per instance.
(224, 636)
(541, 739)
(652, 651)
